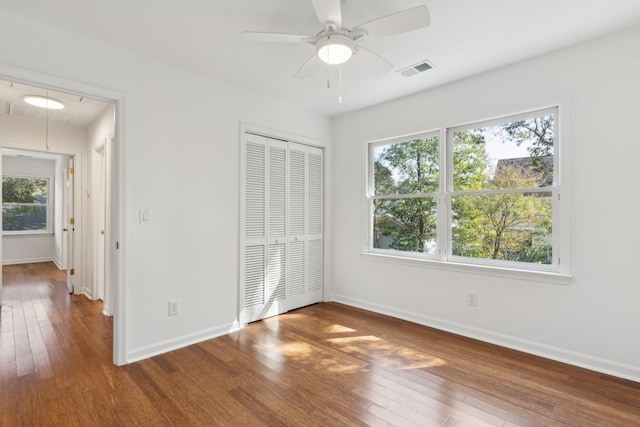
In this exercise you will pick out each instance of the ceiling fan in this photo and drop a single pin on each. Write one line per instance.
(336, 44)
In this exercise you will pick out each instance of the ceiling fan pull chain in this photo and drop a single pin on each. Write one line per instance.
(340, 84)
(46, 132)
(328, 79)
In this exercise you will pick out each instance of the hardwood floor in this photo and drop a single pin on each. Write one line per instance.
(323, 365)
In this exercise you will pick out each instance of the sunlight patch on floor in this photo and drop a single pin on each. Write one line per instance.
(393, 355)
(312, 356)
(292, 316)
(337, 329)
(297, 349)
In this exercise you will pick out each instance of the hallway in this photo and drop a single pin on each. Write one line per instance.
(51, 346)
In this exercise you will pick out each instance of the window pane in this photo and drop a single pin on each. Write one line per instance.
(516, 154)
(409, 167)
(406, 224)
(23, 217)
(511, 227)
(24, 204)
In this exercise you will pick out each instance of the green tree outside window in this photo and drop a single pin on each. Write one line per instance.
(24, 203)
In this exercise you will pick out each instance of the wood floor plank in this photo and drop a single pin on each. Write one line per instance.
(322, 365)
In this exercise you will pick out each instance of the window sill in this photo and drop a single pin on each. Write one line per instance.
(26, 233)
(511, 273)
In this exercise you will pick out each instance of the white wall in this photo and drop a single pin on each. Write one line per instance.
(20, 248)
(180, 145)
(595, 320)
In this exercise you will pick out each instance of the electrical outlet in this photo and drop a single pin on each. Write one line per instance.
(472, 299)
(174, 307)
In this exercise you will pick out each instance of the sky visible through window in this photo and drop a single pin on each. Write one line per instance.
(499, 146)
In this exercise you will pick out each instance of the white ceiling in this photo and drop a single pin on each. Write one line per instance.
(79, 111)
(466, 37)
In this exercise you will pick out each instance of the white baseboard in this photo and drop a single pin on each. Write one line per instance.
(554, 353)
(184, 341)
(25, 260)
(87, 293)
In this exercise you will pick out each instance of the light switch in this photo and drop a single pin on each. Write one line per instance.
(145, 216)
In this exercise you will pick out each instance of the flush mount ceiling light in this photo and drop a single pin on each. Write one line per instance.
(44, 102)
(334, 49)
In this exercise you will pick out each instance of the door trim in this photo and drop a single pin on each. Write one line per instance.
(44, 80)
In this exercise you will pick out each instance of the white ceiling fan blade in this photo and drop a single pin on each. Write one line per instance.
(328, 10)
(371, 62)
(396, 23)
(309, 68)
(252, 36)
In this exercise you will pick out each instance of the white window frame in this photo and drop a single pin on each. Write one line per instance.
(557, 272)
(372, 196)
(49, 206)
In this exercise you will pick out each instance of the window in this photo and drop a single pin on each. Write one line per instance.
(495, 205)
(405, 196)
(25, 205)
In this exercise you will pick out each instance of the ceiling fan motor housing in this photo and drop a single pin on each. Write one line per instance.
(334, 48)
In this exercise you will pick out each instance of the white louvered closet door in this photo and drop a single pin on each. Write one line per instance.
(315, 221)
(277, 232)
(281, 231)
(297, 225)
(305, 226)
(253, 243)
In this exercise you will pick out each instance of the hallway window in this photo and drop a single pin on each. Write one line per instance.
(25, 205)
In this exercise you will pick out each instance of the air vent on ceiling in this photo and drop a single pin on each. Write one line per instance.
(53, 116)
(416, 68)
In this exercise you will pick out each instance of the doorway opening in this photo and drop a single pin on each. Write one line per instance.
(75, 149)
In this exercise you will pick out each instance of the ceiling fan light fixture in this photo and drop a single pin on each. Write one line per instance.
(44, 102)
(335, 49)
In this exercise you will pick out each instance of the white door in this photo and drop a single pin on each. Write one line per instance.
(264, 235)
(305, 225)
(65, 220)
(110, 245)
(69, 226)
(315, 224)
(281, 227)
(253, 229)
(277, 227)
(99, 222)
(297, 225)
